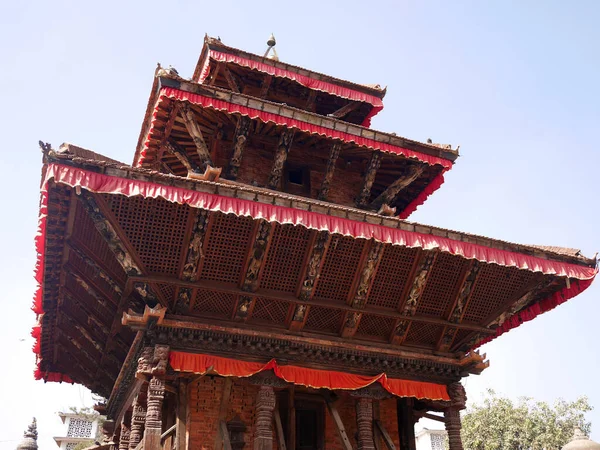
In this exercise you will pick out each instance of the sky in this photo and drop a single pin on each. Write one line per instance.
(514, 83)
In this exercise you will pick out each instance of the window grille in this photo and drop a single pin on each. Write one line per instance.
(437, 442)
(79, 428)
(70, 446)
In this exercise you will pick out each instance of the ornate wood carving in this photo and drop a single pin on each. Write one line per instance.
(240, 137)
(367, 275)
(370, 173)
(180, 153)
(344, 110)
(364, 424)
(138, 419)
(230, 79)
(196, 134)
(265, 404)
(313, 269)
(124, 436)
(388, 196)
(453, 426)
(156, 394)
(281, 153)
(154, 360)
(416, 291)
(108, 232)
(333, 156)
(460, 306)
(184, 299)
(194, 252)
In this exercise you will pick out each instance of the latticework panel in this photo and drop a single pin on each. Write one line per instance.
(167, 291)
(377, 326)
(90, 240)
(226, 248)
(212, 303)
(461, 335)
(341, 263)
(495, 286)
(323, 319)
(283, 265)
(392, 276)
(80, 428)
(273, 311)
(424, 334)
(442, 285)
(155, 228)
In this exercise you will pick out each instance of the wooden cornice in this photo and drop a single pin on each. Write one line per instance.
(318, 249)
(460, 306)
(409, 307)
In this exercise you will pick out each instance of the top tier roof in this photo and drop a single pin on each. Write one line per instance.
(245, 72)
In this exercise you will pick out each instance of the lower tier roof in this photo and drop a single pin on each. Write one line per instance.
(234, 257)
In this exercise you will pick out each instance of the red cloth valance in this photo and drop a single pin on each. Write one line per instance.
(327, 379)
(311, 83)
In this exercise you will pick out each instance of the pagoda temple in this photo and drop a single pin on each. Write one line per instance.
(250, 280)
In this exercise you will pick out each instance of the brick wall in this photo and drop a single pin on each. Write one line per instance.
(205, 399)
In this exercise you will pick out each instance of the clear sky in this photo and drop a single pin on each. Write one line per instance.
(515, 83)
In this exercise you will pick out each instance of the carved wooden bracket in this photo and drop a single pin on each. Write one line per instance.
(230, 79)
(266, 84)
(180, 153)
(196, 133)
(135, 320)
(345, 110)
(388, 196)
(281, 153)
(240, 138)
(173, 113)
(409, 308)
(370, 173)
(333, 156)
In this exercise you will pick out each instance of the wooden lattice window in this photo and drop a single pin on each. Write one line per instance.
(341, 263)
(495, 286)
(273, 311)
(442, 286)
(324, 319)
(375, 326)
(213, 303)
(392, 276)
(155, 228)
(283, 265)
(167, 291)
(226, 248)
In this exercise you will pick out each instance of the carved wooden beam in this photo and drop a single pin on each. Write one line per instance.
(311, 101)
(460, 306)
(333, 156)
(195, 246)
(196, 133)
(319, 248)
(388, 196)
(363, 287)
(409, 308)
(230, 80)
(180, 153)
(281, 154)
(372, 168)
(240, 138)
(262, 238)
(344, 110)
(266, 84)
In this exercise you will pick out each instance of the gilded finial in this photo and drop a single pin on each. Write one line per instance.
(271, 42)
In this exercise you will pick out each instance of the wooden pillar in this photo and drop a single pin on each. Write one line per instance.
(239, 144)
(406, 424)
(281, 154)
(265, 404)
(365, 191)
(364, 423)
(181, 415)
(138, 418)
(153, 428)
(453, 426)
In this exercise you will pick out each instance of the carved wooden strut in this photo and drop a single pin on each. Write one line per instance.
(196, 133)
(281, 153)
(372, 168)
(240, 138)
(388, 196)
(333, 156)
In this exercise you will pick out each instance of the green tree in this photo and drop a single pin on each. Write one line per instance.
(498, 423)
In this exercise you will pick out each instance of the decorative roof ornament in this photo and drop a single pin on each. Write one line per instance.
(580, 441)
(30, 436)
(271, 46)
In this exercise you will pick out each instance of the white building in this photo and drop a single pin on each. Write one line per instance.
(430, 439)
(78, 428)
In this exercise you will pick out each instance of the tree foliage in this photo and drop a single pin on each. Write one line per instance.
(501, 424)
